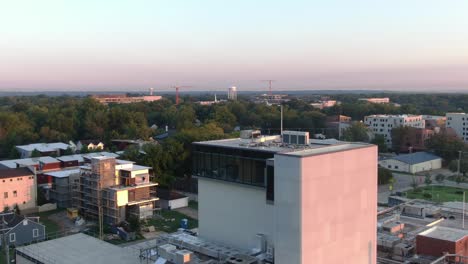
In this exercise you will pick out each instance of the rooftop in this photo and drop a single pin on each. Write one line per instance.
(78, 248)
(415, 158)
(44, 147)
(17, 172)
(399, 116)
(63, 173)
(444, 233)
(273, 144)
(136, 168)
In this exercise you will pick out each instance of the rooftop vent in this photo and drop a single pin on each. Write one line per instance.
(295, 137)
(250, 134)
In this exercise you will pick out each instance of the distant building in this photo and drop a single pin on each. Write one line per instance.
(412, 163)
(459, 123)
(383, 124)
(324, 104)
(287, 198)
(232, 93)
(90, 144)
(124, 99)
(271, 99)
(438, 241)
(122, 144)
(17, 187)
(336, 125)
(44, 149)
(20, 230)
(435, 123)
(121, 188)
(375, 100)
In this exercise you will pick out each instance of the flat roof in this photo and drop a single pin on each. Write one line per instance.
(315, 146)
(444, 233)
(79, 248)
(136, 168)
(10, 173)
(119, 161)
(63, 173)
(44, 147)
(77, 157)
(415, 158)
(28, 161)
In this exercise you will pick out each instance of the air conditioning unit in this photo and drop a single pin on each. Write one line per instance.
(295, 137)
(250, 134)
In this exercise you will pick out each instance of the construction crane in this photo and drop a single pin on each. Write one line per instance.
(177, 87)
(269, 82)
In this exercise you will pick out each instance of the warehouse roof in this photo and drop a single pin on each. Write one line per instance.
(415, 158)
(444, 233)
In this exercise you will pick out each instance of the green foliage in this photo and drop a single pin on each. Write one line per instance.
(427, 179)
(385, 176)
(35, 153)
(453, 166)
(445, 146)
(379, 140)
(403, 138)
(356, 132)
(440, 178)
(134, 223)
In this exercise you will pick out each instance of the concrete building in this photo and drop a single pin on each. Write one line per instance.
(413, 162)
(64, 184)
(75, 249)
(299, 202)
(459, 123)
(232, 93)
(324, 104)
(44, 149)
(383, 124)
(375, 100)
(435, 123)
(439, 240)
(124, 99)
(17, 187)
(121, 188)
(19, 230)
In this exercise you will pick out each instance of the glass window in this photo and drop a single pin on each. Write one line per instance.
(12, 237)
(35, 232)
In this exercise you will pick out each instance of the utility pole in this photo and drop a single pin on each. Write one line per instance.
(281, 132)
(463, 213)
(5, 246)
(458, 163)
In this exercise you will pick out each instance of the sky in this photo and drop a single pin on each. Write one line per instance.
(83, 45)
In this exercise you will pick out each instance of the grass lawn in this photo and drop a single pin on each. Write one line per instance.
(193, 205)
(437, 193)
(170, 221)
(52, 228)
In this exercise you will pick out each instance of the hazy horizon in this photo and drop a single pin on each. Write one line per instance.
(211, 45)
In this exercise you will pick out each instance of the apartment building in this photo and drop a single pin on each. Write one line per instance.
(383, 124)
(376, 100)
(124, 99)
(116, 189)
(17, 187)
(292, 199)
(459, 123)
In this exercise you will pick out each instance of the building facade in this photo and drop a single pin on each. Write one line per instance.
(116, 190)
(232, 93)
(19, 230)
(298, 203)
(413, 162)
(459, 123)
(383, 124)
(17, 187)
(383, 100)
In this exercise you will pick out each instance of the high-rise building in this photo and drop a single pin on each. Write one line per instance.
(292, 199)
(459, 123)
(383, 124)
(116, 189)
(232, 93)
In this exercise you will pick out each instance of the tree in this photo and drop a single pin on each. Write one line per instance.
(356, 132)
(385, 176)
(403, 138)
(453, 166)
(379, 140)
(35, 153)
(445, 146)
(427, 179)
(440, 178)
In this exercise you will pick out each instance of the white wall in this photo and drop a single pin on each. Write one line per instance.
(426, 166)
(392, 164)
(287, 210)
(233, 214)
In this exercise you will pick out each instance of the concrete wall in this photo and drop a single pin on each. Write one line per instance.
(233, 214)
(404, 167)
(25, 192)
(174, 204)
(395, 165)
(287, 202)
(339, 205)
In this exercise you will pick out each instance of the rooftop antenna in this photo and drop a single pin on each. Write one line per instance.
(177, 87)
(269, 85)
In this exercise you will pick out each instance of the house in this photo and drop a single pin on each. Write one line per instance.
(413, 162)
(90, 144)
(20, 230)
(44, 149)
(17, 187)
(295, 200)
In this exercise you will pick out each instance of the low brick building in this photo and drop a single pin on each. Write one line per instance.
(438, 240)
(17, 187)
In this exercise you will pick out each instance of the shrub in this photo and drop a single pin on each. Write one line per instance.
(427, 195)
